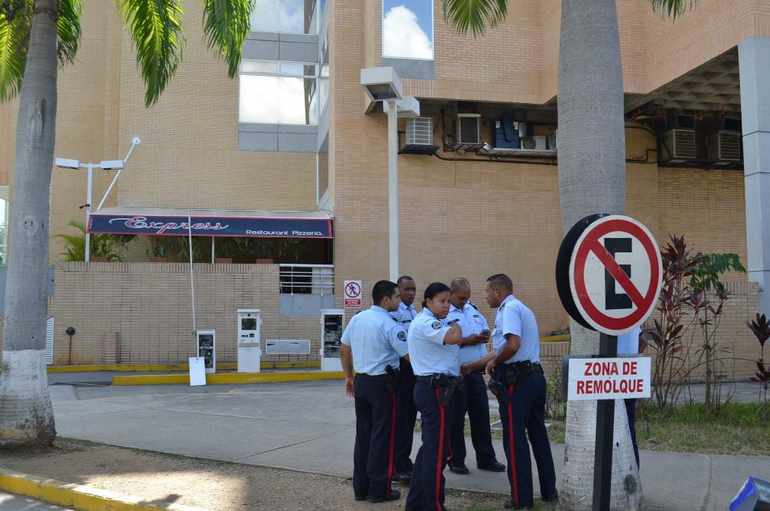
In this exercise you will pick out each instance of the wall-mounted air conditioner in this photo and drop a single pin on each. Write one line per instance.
(679, 145)
(419, 131)
(725, 146)
(468, 129)
(536, 143)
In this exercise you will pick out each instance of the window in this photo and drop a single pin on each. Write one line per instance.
(278, 93)
(407, 29)
(323, 80)
(288, 16)
(5, 226)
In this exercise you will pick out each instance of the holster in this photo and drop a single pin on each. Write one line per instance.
(447, 386)
(391, 380)
(510, 374)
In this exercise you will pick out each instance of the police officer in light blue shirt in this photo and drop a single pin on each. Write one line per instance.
(406, 417)
(472, 397)
(519, 384)
(435, 357)
(372, 345)
(629, 344)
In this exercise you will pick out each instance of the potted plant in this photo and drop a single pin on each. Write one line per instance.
(182, 247)
(225, 249)
(104, 247)
(160, 246)
(290, 249)
(263, 250)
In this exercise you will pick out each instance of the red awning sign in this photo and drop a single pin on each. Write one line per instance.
(615, 274)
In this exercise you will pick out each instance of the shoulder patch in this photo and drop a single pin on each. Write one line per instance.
(401, 336)
(436, 325)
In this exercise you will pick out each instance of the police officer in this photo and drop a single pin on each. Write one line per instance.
(472, 397)
(372, 345)
(407, 410)
(519, 384)
(632, 343)
(435, 357)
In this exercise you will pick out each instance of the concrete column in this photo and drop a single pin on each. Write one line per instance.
(754, 58)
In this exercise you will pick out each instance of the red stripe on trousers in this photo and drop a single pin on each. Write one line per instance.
(392, 445)
(439, 464)
(513, 449)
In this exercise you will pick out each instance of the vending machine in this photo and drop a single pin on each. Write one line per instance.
(332, 326)
(249, 344)
(207, 348)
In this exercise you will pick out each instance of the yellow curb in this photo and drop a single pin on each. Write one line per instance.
(226, 378)
(170, 368)
(82, 498)
(556, 338)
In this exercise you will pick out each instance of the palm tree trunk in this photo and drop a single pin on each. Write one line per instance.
(26, 415)
(592, 176)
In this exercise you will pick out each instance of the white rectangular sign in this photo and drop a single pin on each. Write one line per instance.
(197, 371)
(591, 379)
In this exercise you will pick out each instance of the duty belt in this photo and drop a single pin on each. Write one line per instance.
(371, 376)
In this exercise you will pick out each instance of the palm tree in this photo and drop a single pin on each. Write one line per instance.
(590, 108)
(35, 35)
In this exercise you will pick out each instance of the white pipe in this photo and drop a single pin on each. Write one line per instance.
(192, 278)
(213, 249)
(393, 187)
(109, 189)
(89, 191)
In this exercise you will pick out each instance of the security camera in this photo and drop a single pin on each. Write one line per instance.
(70, 331)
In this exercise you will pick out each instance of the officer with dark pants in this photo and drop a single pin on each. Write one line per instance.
(372, 345)
(407, 409)
(435, 359)
(473, 398)
(519, 384)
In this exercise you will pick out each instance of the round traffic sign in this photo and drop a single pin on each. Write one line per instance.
(609, 273)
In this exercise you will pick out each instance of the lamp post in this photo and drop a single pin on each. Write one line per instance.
(118, 165)
(382, 84)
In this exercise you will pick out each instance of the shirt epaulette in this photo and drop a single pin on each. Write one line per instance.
(473, 305)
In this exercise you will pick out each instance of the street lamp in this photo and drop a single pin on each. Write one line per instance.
(382, 84)
(66, 163)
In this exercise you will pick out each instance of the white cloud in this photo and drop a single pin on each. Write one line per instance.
(402, 36)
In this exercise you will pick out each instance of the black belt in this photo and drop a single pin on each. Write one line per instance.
(527, 366)
(437, 376)
(371, 376)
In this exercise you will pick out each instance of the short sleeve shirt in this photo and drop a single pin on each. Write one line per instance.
(471, 322)
(513, 317)
(427, 351)
(628, 343)
(376, 341)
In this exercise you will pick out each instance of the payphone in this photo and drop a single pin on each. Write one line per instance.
(332, 326)
(207, 348)
(249, 344)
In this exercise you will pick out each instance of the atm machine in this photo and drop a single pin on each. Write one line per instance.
(249, 344)
(332, 326)
(207, 348)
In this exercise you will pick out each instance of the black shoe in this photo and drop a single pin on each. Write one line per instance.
(495, 466)
(459, 468)
(404, 477)
(510, 505)
(360, 497)
(394, 495)
(552, 498)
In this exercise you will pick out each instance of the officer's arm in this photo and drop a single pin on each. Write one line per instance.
(347, 361)
(481, 363)
(454, 335)
(512, 345)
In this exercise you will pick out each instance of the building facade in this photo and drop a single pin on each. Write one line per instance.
(295, 137)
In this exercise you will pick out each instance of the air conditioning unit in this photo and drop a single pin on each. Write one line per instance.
(725, 146)
(469, 129)
(679, 145)
(419, 131)
(536, 143)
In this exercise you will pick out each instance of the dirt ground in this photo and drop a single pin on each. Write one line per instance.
(208, 484)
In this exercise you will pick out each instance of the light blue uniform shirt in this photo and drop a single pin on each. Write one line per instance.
(628, 343)
(513, 317)
(375, 340)
(404, 315)
(471, 322)
(427, 351)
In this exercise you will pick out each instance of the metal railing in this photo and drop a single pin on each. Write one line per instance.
(317, 279)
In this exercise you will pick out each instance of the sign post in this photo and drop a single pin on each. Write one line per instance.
(608, 275)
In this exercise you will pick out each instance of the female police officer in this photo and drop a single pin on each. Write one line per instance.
(435, 357)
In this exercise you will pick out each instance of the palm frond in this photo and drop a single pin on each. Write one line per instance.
(226, 25)
(474, 15)
(156, 28)
(69, 29)
(672, 8)
(15, 22)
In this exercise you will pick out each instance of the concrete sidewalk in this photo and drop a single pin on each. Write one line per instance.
(311, 427)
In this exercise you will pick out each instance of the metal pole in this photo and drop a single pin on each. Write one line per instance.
(605, 427)
(393, 187)
(89, 190)
(213, 249)
(109, 189)
(192, 277)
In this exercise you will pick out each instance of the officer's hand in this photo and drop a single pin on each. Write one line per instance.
(350, 387)
(472, 340)
(491, 366)
(465, 369)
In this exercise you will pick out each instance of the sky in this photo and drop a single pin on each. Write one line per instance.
(407, 28)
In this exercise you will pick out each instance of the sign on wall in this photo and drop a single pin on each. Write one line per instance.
(352, 294)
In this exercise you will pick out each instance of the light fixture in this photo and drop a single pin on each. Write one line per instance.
(66, 163)
(381, 83)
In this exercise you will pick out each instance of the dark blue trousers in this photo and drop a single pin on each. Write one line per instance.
(522, 413)
(631, 412)
(473, 399)
(375, 438)
(426, 491)
(406, 418)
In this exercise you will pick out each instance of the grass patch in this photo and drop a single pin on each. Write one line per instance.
(738, 429)
(63, 440)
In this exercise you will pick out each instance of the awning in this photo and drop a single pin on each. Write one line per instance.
(247, 224)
